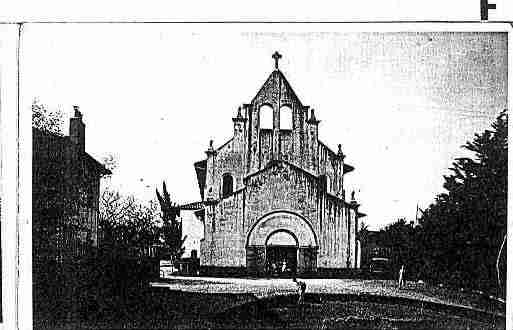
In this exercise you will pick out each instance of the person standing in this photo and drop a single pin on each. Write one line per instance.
(283, 266)
(401, 276)
(301, 288)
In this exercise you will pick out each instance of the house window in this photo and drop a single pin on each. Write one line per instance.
(227, 185)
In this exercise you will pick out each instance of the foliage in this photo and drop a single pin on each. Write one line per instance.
(127, 225)
(94, 282)
(60, 195)
(110, 162)
(460, 234)
(400, 236)
(111, 280)
(172, 227)
(46, 120)
(363, 233)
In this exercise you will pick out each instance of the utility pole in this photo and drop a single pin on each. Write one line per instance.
(417, 214)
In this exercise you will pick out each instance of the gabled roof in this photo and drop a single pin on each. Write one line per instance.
(274, 163)
(277, 82)
(224, 144)
(96, 165)
(58, 143)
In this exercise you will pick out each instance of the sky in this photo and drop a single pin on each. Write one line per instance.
(153, 95)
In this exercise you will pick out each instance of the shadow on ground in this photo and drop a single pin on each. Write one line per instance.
(353, 312)
(161, 308)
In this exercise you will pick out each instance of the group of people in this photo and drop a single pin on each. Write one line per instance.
(280, 267)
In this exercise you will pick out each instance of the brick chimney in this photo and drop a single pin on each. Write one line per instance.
(77, 129)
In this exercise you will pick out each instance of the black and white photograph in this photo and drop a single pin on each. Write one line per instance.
(263, 176)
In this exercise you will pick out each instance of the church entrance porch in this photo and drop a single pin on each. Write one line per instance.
(281, 254)
(281, 244)
(281, 260)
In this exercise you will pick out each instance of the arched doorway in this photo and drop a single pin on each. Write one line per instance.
(281, 235)
(281, 252)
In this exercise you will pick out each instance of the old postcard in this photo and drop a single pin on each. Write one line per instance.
(249, 174)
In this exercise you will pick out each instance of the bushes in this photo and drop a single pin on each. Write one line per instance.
(99, 286)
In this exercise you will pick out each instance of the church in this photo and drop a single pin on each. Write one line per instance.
(273, 198)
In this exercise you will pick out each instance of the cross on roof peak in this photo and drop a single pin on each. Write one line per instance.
(276, 57)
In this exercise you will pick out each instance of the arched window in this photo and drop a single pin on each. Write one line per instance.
(266, 117)
(285, 117)
(227, 184)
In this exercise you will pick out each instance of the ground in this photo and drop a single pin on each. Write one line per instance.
(264, 288)
(219, 303)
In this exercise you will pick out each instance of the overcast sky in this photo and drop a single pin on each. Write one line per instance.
(401, 104)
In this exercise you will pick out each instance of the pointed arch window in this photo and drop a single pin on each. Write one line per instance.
(286, 117)
(266, 117)
(227, 185)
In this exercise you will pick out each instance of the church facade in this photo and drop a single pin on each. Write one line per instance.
(273, 195)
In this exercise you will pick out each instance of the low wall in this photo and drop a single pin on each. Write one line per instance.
(319, 273)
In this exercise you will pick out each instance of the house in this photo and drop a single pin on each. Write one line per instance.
(65, 195)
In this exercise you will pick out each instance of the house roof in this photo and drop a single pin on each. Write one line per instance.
(57, 143)
(192, 206)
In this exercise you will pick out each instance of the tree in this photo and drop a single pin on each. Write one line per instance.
(172, 227)
(463, 230)
(363, 234)
(45, 120)
(110, 162)
(128, 226)
(399, 237)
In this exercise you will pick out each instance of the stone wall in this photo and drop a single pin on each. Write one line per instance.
(281, 187)
(353, 229)
(266, 146)
(287, 146)
(333, 241)
(287, 221)
(228, 159)
(224, 240)
(331, 166)
(275, 93)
